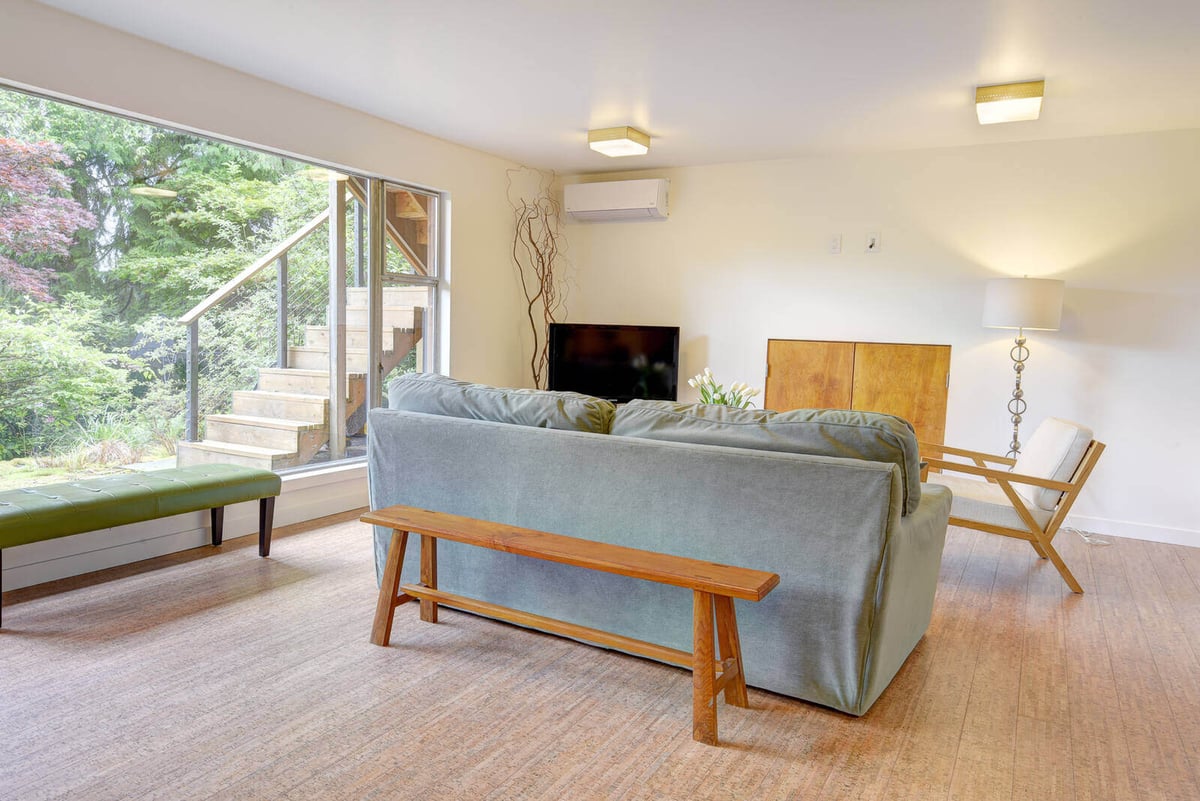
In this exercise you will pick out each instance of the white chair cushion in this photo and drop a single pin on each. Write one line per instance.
(1054, 452)
(985, 502)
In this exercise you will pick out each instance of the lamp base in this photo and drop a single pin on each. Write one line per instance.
(1016, 405)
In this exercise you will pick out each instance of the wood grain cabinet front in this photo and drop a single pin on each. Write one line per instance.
(909, 381)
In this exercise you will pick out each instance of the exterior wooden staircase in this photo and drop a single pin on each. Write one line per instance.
(284, 421)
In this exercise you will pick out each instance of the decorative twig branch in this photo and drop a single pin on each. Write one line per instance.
(536, 250)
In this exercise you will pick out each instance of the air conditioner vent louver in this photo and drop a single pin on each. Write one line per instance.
(644, 199)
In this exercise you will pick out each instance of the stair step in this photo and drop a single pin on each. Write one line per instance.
(317, 336)
(393, 316)
(281, 424)
(306, 357)
(285, 405)
(392, 296)
(308, 382)
(209, 452)
(265, 432)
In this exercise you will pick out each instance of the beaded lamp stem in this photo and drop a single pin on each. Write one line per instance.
(1016, 405)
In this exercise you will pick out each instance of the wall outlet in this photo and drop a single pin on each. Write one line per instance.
(835, 244)
(873, 242)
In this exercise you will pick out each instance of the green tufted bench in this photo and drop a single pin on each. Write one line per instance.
(59, 510)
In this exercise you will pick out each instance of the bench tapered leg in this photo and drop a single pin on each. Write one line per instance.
(429, 609)
(704, 679)
(385, 607)
(266, 514)
(217, 519)
(731, 652)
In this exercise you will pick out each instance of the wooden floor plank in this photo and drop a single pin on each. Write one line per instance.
(1157, 755)
(986, 744)
(1099, 747)
(1167, 674)
(924, 766)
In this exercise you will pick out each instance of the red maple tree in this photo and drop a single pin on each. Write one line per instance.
(37, 216)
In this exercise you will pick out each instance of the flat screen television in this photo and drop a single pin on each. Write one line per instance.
(616, 362)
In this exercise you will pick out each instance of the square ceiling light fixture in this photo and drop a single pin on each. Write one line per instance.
(1009, 102)
(622, 141)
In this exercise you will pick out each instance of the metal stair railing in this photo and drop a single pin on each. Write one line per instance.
(276, 256)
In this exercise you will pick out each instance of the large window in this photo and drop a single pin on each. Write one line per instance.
(168, 298)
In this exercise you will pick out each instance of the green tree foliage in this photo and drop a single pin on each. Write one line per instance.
(155, 255)
(104, 304)
(54, 375)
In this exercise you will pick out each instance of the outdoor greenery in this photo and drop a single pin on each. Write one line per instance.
(94, 274)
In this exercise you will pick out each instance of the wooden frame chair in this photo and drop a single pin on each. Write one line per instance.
(1029, 505)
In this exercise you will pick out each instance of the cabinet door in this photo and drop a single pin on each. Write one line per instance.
(803, 374)
(909, 381)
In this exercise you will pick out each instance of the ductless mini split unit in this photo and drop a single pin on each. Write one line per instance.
(644, 199)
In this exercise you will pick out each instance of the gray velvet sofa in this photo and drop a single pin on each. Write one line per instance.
(854, 536)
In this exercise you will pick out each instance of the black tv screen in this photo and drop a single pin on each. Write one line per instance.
(616, 362)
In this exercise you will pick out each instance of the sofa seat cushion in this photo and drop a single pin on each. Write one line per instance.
(437, 394)
(986, 502)
(820, 432)
(1054, 452)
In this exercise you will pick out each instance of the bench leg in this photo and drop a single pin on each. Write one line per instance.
(1, 586)
(704, 679)
(733, 680)
(217, 518)
(385, 607)
(429, 609)
(266, 514)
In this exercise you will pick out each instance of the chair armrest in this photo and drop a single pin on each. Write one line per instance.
(998, 475)
(987, 457)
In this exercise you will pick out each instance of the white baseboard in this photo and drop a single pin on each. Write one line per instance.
(1135, 531)
(304, 496)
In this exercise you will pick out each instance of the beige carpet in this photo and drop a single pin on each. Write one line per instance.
(218, 675)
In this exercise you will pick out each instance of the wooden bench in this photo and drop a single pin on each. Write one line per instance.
(713, 586)
(59, 510)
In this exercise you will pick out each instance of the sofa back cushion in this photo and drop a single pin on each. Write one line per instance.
(437, 394)
(1054, 452)
(820, 432)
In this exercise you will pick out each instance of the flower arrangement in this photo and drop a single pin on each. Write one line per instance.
(738, 395)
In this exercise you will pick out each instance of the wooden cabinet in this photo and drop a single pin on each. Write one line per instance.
(909, 381)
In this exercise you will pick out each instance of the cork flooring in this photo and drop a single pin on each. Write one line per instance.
(214, 674)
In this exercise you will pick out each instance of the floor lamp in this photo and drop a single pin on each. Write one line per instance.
(1033, 304)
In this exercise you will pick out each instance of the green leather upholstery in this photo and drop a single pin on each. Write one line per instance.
(58, 510)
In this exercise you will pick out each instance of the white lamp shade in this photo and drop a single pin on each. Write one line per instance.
(1033, 303)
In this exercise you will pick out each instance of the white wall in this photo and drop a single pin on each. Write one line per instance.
(46, 50)
(745, 257)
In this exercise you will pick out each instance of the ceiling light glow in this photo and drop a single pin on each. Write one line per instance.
(621, 141)
(1009, 102)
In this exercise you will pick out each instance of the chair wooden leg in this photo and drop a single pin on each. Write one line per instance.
(385, 607)
(1063, 570)
(1037, 546)
(731, 652)
(704, 679)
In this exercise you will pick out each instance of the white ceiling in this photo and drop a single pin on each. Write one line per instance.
(711, 81)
